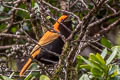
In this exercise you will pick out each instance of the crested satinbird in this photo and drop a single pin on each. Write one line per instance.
(51, 41)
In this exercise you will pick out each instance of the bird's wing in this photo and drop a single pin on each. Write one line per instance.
(47, 38)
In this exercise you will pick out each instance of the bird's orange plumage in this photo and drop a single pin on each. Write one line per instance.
(47, 38)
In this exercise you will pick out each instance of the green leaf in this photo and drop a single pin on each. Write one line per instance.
(90, 6)
(6, 10)
(22, 5)
(44, 77)
(111, 69)
(2, 27)
(48, 17)
(96, 72)
(11, 74)
(79, 60)
(84, 77)
(85, 66)
(103, 63)
(94, 58)
(101, 60)
(106, 42)
(118, 54)
(97, 61)
(112, 56)
(4, 78)
(22, 14)
(28, 76)
(114, 70)
(104, 53)
(87, 61)
(13, 29)
(97, 65)
(33, 3)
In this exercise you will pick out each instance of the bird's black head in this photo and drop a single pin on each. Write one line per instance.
(65, 27)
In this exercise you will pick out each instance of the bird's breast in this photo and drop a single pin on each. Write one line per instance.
(55, 46)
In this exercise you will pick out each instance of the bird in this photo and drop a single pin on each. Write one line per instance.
(51, 41)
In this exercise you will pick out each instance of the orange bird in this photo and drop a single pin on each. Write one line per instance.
(50, 41)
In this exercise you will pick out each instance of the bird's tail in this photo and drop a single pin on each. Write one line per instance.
(34, 53)
(25, 67)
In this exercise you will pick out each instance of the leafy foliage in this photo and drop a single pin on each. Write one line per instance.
(100, 68)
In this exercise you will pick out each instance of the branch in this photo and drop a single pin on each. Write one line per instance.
(107, 28)
(100, 21)
(14, 36)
